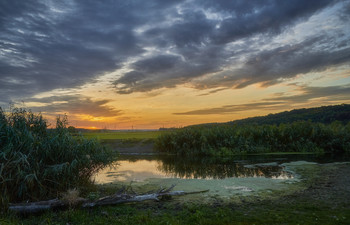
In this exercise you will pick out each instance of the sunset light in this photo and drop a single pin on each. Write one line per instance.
(150, 64)
(174, 111)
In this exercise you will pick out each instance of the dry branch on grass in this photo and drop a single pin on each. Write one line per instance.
(118, 198)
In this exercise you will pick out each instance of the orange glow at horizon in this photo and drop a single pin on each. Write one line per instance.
(172, 107)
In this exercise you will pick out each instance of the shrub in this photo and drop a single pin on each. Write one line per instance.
(303, 136)
(39, 163)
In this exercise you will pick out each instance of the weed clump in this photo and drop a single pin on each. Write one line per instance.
(37, 163)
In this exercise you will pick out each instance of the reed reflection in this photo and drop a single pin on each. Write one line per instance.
(211, 168)
(216, 168)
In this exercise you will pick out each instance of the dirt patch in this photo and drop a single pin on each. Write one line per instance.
(332, 185)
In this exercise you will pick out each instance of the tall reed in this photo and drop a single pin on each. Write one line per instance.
(38, 163)
(301, 136)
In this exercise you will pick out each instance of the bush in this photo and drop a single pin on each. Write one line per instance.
(39, 163)
(226, 140)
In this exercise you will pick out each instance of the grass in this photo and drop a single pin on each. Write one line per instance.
(257, 212)
(124, 135)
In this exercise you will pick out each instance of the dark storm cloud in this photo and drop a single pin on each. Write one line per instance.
(191, 28)
(202, 37)
(272, 66)
(75, 104)
(336, 93)
(46, 45)
(147, 70)
(288, 61)
(344, 14)
(254, 17)
(60, 44)
(167, 71)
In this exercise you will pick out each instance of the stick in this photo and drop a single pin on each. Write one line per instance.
(118, 198)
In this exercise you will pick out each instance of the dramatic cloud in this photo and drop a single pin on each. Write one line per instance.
(330, 93)
(231, 109)
(219, 34)
(75, 104)
(282, 101)
(255, 17)
(48, 44)
(271, 66)
(45, 45)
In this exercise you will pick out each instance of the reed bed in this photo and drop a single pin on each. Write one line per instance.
(303, 136)
(38, 163)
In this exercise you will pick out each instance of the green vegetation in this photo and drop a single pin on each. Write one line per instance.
(230, 140)
(314, 202)
(141, 141)
(124, 135)
(324, 114)
(39, 163)
(262, 212)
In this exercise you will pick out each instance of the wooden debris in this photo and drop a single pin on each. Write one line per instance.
(118, 198)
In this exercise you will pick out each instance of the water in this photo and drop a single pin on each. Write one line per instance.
(224, 178)
(139, 168)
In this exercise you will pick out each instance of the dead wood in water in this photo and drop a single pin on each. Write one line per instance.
(118, 198)
(125, 198)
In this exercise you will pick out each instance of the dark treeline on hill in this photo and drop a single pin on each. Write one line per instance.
(324, 114)
(324, 129)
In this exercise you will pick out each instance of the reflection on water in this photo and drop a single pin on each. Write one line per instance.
(139, 168)
(130, 170)
(209, 168)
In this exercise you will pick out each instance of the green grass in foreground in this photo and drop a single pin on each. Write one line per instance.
(122, 135)
(277, 207)
(264, 212)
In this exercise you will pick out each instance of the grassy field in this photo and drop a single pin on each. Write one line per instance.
(123, 135)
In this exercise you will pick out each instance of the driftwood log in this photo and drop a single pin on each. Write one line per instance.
(37, 207)
(118, 198)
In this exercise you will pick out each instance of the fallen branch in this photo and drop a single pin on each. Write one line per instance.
(118, 198)
(125, 198)
(36, 207)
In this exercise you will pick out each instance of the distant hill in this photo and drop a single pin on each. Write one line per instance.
(323, 114)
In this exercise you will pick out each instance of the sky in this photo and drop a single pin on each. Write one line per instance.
(164, 63)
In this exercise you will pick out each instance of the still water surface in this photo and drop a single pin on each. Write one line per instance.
(139, 168)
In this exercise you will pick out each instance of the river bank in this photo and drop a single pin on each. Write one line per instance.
(321, 197)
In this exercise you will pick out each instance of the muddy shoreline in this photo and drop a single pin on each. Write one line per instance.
(332, 185)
